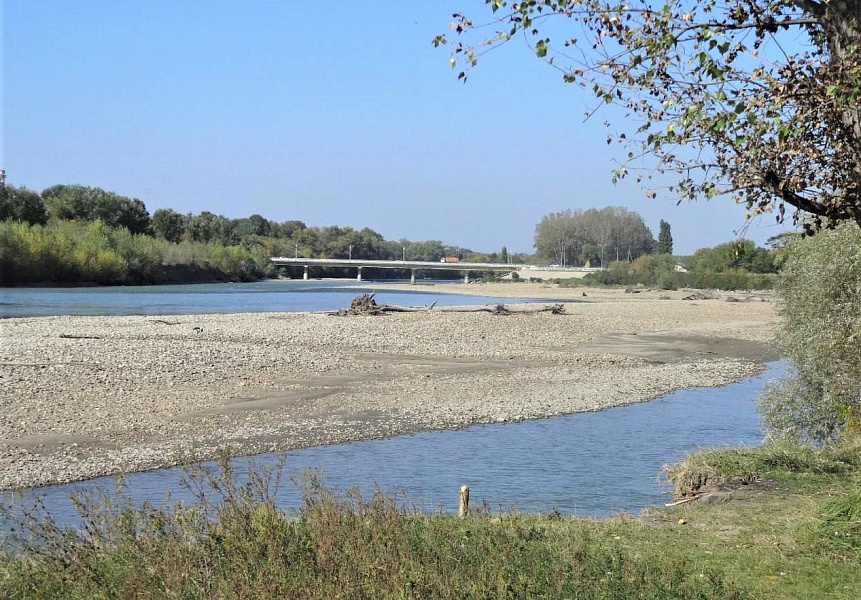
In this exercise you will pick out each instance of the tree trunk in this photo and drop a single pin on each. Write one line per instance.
(841, 23)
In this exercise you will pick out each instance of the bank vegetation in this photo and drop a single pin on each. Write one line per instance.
(789, 528)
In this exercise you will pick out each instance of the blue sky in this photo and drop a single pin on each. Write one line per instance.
(334, 113)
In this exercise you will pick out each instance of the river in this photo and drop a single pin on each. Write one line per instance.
(207, 298)
(586, 464)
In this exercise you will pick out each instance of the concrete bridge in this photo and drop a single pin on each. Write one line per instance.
(412, 265)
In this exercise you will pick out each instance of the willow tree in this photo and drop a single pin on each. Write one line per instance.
(755, 100)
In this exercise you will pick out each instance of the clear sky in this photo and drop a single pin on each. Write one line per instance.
(335, 113)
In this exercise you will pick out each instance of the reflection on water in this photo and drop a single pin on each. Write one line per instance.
(587, 464)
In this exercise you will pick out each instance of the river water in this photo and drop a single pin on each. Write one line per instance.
(206, 298)
(587, 464)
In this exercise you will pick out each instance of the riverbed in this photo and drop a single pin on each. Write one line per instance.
(586, 464)
(86, 396)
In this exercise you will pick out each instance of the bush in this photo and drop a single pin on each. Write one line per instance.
(65, 253)
(820, 309)
(605, 278)
(71, 252)
(734, 279)
(660, 271)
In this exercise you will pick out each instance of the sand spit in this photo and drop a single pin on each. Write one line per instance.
(82, 397)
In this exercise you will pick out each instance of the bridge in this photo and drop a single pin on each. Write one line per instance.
(412, 265)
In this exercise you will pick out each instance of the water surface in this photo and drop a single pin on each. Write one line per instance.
(586, 464)
(207, 298)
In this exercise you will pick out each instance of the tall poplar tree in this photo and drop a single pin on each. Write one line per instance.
(665, 239)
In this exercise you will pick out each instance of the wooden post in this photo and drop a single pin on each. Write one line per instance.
(463, 502)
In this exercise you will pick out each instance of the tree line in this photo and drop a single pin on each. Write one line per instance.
(79, 234)
(595, 236)
(618, 240)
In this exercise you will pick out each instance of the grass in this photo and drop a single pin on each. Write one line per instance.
(800, 538)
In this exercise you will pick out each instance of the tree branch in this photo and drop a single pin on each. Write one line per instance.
(812, 7)
(753, 25)
(772, 182)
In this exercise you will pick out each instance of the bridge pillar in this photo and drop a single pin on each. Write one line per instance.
(305, 274)
(359, 275)
(412, 276)
(466, 276)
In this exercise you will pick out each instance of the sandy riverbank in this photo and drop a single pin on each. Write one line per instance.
(88, 396)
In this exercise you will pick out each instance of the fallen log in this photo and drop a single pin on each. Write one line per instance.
(501, 309)
(397, 309)
(366, 305)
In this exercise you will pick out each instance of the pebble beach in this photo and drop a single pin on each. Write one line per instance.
(83, 397)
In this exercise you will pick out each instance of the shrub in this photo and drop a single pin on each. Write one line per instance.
(820, 309)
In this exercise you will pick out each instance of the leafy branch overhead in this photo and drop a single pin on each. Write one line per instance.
(756, 100)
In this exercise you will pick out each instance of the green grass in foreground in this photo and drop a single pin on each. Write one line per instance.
(799, 538)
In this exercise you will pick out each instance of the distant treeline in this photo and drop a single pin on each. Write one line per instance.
(72, 234)
(732, 266)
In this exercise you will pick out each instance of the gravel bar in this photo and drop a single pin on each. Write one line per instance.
(83, 397)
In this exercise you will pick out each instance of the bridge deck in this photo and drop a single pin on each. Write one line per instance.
(394, 264)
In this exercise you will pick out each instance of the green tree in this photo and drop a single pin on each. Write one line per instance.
(94, 204)
(557, 238)
(751, 99)
(168, 224)
(287, 228)
(23, 205)
(665, 239)
(209, 227)
(820, 309)
(253, 226)
(597, 235)
(427, 251)
(740, 254)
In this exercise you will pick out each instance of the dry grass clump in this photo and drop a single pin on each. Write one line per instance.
(705, 470)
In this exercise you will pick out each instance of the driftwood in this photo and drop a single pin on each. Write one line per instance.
(366, 305)
(683, 501)
(697, 296)
(164, 322)
(69, 336)
(502, 310)
(395, 308)
(361, 305)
